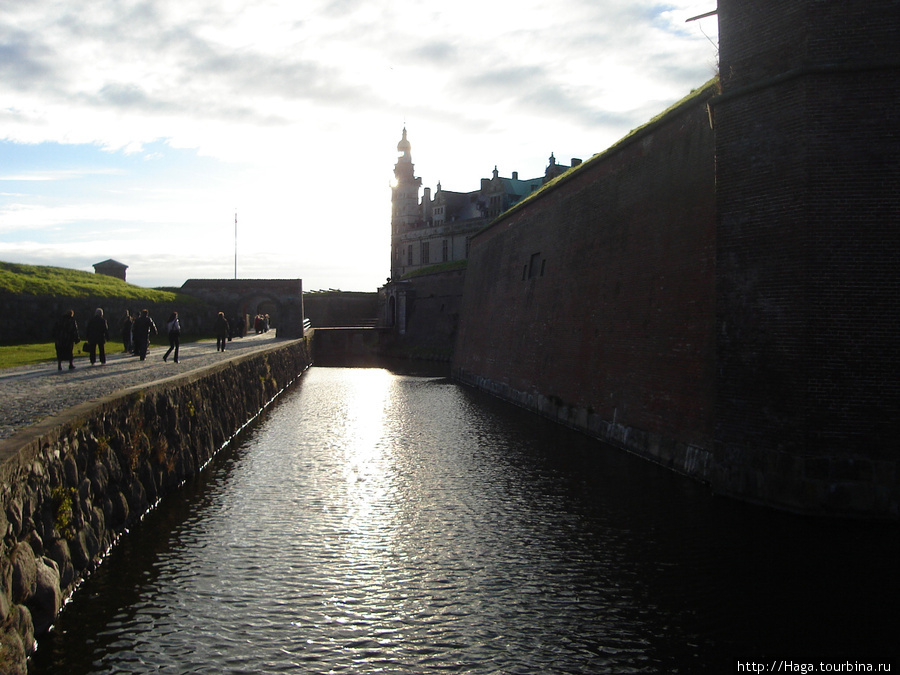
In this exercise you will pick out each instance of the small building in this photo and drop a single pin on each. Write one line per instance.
(111, 268)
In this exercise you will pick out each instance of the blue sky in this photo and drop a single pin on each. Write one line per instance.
(135, 129)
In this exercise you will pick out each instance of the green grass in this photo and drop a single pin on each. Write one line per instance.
(615, 147)
(62, 282)
(12, 356)
(43, 352)
(26, 355)
(438, 267)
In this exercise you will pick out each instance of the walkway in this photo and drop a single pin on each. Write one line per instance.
(29, 394)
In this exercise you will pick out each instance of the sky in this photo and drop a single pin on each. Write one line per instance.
(140, 130)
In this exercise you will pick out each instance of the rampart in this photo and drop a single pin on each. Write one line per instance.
(73, 484)
(31, 317)
(423, 312)
(593, 303)
(242, 299)
(340, 308)
(718, 292)
(808, 255)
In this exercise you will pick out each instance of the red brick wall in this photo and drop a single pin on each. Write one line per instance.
(808, 154)
(595, 302)
(751, 338)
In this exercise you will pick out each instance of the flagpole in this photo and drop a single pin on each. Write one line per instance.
(235, 244)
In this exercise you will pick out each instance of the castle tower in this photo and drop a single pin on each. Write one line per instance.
(405, 213)
(808, 243)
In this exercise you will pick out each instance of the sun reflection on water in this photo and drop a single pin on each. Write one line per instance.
(365, 421)
(369, 514)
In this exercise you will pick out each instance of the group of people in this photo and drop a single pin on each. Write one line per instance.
(136, 333)
(261, 323)
(65, 337)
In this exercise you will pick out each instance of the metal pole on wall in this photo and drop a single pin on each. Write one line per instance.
(235, 244)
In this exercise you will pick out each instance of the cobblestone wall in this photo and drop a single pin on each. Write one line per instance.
(73, 484)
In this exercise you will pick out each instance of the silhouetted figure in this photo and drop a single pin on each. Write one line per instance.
(174, 328)
(126, 326)
(65, 336)
(143, 327)
(222, 331)
(97, 335)
(237, 326)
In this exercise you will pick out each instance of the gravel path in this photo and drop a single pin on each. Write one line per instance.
(31, 393)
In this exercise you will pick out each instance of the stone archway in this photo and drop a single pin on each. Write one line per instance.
(260, 305)
(243, 299)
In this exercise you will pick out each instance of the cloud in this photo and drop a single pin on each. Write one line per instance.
(298, 108)
(58, 174)
(23, 64)
(437, 52)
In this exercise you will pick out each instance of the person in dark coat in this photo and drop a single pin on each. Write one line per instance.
(65, 337)
(223, 330)
(97, 335)
(173, 325)
(237, 326)
(127, 323)
(143, 327)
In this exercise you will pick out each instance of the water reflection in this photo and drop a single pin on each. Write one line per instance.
(382, 523)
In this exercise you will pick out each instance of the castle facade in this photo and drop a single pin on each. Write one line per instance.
(434, 230)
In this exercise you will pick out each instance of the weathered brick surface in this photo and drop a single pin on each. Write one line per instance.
(596, 301)
(751, 339)
(808, 247)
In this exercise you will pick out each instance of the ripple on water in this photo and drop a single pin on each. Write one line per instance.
(380, 523)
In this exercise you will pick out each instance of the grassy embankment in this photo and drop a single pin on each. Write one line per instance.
(68, 283)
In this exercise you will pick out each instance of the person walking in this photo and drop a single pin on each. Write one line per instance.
(65, 337)
(143, 327)
(174, 328)
(97, 335)
(222, 331)
(126, 325)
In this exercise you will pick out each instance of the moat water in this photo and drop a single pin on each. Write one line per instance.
(380, 523)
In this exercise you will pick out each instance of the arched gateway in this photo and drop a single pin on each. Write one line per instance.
(243, 299)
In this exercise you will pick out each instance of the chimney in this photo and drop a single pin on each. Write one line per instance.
(575, 161)
(515, 175)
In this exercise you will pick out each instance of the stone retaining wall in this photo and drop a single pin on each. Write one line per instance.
(679, 456)
(73, 484)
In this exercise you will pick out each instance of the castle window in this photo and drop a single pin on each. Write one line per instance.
(426, 258)
(409, 255)
(535, 266)
(444, 251)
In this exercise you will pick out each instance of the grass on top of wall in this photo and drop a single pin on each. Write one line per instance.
(62, 282)
(436, 268)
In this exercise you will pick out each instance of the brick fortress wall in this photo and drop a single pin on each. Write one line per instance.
(594, 302)
(808, 247)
